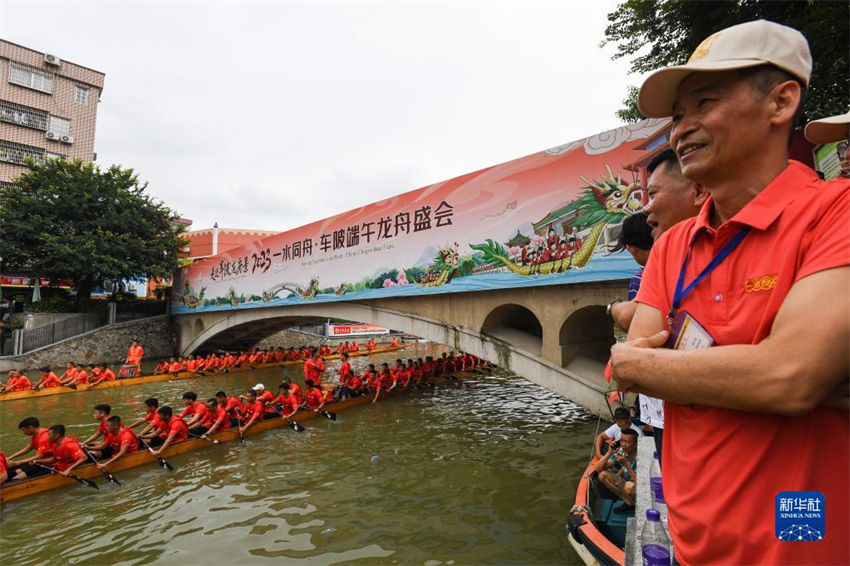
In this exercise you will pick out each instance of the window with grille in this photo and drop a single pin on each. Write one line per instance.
(31, 77)
(81, 95)
(17, 152)
(23, 115)
(51, 155)
(60, 126)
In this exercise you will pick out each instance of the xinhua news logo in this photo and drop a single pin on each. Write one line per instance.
(800, 516)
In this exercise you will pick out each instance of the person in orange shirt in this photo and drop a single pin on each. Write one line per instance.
(314, 398)
(215, 420)
(67, 452)
(232, 405)
(39, 443)
(175, 430)
(285, 404)
(394, 342)
(254, 411)
(17, 382)
(48, 379)
(104, 374)
(100, 414)
(371, 344)
(196, 411)
(135, 354)
(151, 406)
(70, 373)
(174, 366)
(354, 347)
(750, 299)
(344, 370)
(4, 469)
(295, 389)
(118, 442)
(161, 367)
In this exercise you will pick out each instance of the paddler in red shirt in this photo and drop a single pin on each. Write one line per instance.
(39, 443)
(394, 342)
(48, 379)
(17, 382)
(134, 354)
(119, 441)
(156, 430)
(194, 410)
(295, 389)
(106, 374)
(354, 347)
(216, 419)
(70, 373)
(175, 430)
(161, 367)
(4, 469)
(285, 403)
(254, 410)
(231, 404)
(344, 370)
(173, 366)
(371, 344)
(100, 414)
(151, 405)
(67, 454)
(314, 398)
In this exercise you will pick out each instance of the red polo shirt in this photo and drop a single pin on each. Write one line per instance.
(722, 468)
(66, 453)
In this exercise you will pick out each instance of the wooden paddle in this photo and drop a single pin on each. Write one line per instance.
(160, 459)
(108, 475)
(207, 438)
(83, 481)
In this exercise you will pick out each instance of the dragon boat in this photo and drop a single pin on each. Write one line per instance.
(152, 378)
(19, 489)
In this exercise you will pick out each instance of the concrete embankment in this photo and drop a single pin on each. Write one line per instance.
(105, 344)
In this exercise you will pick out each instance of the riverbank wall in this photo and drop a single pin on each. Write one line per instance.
(107, 344)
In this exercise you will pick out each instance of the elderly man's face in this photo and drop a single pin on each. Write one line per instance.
(672, 198)
(718, 122)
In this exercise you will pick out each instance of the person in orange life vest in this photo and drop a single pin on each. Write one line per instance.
(175, 431)
(151, 405)
(195, 410)
(217, 419)
(107, 373)
(759, 384)
(191, 363)
(67, 453)
(39, 443)
(394, 342)
(161, 367)
(255, 358)
(314, 398)
(119, 441)
(100, 414)
(173, 365)
(371, 344)
(254, 410)
(355, 347)
(135, 354)
(68, 376)
(17, 382)
(156, 430)
(285, 403)
(48, 379)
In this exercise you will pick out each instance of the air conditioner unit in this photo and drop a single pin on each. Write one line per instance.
(68, 139)
(51, 136)
(52, 60)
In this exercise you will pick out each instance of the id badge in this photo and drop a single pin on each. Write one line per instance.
(688, 334)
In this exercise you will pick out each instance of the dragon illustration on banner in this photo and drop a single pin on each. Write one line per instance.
(600, 204)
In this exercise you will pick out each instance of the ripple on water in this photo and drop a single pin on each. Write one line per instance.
(482, 474)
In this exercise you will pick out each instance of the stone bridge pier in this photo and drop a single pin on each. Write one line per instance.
(556, 336)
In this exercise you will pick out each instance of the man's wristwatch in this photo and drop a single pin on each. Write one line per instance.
(608, 308)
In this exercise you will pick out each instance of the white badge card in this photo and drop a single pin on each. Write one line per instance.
(688, 334)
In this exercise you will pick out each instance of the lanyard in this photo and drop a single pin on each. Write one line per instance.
(681, 293)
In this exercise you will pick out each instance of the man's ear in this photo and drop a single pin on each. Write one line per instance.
(700, 194)
(784, 98)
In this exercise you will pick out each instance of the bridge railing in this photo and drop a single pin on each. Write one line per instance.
(52, 333)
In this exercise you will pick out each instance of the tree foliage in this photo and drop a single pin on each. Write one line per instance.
(73, 220)
(656, 33)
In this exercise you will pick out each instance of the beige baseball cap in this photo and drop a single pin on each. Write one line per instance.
(826, 130)
(745, 45)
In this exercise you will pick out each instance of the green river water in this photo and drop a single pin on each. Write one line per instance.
(483, 474)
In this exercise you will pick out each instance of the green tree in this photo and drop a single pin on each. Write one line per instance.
(73, 220)
(656, 33)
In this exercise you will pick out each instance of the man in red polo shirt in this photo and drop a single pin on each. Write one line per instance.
(216, 419)
(751, 296)
(48, 379)
(39, 443)
(119, 441)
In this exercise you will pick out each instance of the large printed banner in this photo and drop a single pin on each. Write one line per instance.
(548, 218)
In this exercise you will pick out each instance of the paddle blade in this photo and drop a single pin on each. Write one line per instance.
(84, 481)
(112, 479)
(329, 414)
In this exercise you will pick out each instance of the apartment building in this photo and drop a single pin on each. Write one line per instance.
(48, 108)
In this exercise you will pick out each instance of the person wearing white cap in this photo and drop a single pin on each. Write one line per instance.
(750, 299)
(833, 129)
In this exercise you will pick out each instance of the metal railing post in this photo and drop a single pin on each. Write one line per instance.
(17, 342)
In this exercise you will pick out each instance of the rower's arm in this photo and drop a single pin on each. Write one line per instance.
(215, 426)
(121, 452)
(20, 452)
(79, 461)
(251, 421)
(91, 438)
(377, 393)
(798, 367)
(600, 439)
(167, 442)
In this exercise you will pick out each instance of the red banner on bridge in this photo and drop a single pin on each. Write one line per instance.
(552, 217)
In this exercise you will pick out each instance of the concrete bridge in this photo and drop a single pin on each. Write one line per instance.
(556, 336)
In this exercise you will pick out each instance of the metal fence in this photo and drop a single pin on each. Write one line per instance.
(52, 333)
(315, 329)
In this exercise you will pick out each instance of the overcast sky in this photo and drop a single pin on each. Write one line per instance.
(272, 115)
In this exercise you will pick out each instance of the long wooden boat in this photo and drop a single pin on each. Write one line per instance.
(152, 378)
(595, 532)
(16, 490)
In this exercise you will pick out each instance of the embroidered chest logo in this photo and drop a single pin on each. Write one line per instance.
(763, 283)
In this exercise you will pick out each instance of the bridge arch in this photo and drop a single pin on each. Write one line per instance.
(586, 338)
(517, 325)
